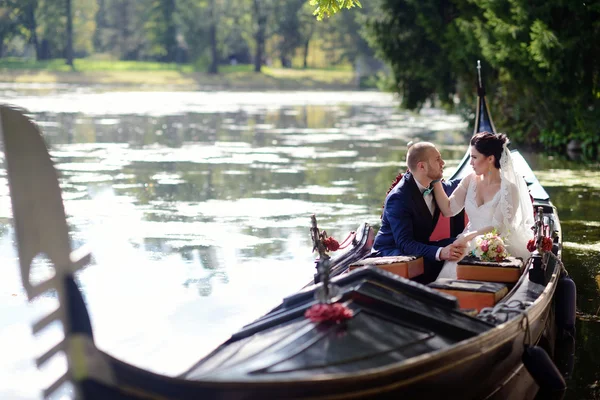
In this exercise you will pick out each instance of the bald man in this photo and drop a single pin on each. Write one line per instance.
(410, 214)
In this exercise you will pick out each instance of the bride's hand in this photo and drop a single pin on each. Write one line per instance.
(462, 241)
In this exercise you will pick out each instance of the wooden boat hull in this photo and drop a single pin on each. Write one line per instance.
(477, 368)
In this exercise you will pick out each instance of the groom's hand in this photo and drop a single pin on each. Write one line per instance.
(453, 252)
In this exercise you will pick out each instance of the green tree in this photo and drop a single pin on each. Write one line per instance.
(69, 34)
(540, 60)
(84, 26)
(260, 12)
(288, 29)
(120, 29)
(546, 55)
(18, 18)
(9, 26)
(161, 30)
(101, 26)
(50, 23)
(411, 36)
(308, 27)
(200, 25)
(212, 37)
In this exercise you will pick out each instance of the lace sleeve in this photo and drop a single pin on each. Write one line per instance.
(457, 199)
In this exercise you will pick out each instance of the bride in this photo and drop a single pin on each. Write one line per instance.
(493, 196)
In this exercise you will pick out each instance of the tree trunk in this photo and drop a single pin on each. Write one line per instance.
(259, 36)
(171, 33)
(212, 37)
(69, 49)
(31, 25)
(100, 26)
(305, 57)
(285, 54)
(306, 44)
(123, 31)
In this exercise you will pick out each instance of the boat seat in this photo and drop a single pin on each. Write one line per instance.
(473, 269)
(472, 294)
(405, 266)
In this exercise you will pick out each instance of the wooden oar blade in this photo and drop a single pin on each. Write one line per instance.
(38, 211)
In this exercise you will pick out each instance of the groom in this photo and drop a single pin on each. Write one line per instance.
(410, 214)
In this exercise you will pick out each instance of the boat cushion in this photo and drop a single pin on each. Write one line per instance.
(472, 294)
(508, 271)
(404, 266)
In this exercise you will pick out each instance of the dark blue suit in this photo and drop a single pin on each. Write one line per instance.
(407, 224)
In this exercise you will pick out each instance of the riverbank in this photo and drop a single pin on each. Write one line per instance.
(156, 76)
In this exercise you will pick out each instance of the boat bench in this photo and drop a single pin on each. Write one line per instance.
(479, 284)
(405, 266)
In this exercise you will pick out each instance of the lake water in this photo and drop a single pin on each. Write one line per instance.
(197, 209)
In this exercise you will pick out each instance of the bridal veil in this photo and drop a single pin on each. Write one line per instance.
(516, 207)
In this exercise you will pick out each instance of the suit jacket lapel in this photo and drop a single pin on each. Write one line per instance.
(436, 212)
(418, 197)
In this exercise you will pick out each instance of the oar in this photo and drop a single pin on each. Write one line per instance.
(41, 229)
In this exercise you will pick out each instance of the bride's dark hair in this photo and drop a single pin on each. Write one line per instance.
(490, 144)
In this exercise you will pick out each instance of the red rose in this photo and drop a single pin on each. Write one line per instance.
(335, 312)
(546, 244)
(331, 244)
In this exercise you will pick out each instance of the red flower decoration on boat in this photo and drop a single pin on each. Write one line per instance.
(546, 244)
(331, 244)
(335, 312)
(397, 179)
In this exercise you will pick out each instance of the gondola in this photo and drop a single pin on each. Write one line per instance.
(400, 338)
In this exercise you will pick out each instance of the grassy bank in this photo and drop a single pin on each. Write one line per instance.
(153, 75)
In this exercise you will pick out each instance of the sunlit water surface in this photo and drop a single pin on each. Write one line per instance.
(197, 209)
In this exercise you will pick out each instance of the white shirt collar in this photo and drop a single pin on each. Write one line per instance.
(421, 187)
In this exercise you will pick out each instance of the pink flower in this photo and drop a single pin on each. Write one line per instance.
(485, 246)
(500, 249)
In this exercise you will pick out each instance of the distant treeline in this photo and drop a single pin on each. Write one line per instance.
(207, 33)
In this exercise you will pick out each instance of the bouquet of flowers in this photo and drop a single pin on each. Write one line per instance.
(490, 247)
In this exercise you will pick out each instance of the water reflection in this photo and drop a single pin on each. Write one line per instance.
(575, 192)
(197, 209)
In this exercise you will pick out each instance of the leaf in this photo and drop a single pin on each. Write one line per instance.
(327, 8)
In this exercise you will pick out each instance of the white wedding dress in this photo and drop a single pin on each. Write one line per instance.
(510, 211)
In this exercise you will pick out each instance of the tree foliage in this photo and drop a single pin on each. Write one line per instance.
(540, 61)
(327, 8)
(161, 30)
